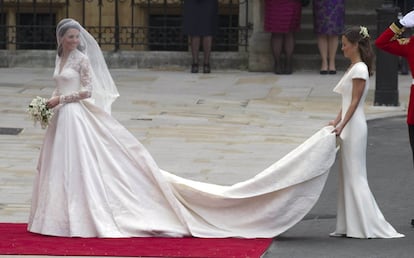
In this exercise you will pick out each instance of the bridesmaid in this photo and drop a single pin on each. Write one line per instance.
(358, 214)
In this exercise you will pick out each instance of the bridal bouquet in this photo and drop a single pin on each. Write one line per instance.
(39, 112)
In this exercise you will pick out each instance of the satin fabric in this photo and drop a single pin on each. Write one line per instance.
(95, 179)
(358, 214)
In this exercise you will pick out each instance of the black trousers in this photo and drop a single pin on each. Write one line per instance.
(411, 135)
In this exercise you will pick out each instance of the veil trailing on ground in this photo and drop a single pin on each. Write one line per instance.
(104, 89)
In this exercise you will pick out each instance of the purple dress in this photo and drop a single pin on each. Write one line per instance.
(328, 16)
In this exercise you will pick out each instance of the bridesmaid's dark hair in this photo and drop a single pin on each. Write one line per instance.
(359, 34)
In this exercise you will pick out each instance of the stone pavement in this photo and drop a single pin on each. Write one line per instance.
(222, 127)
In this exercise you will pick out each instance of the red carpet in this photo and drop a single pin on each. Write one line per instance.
(15, 240)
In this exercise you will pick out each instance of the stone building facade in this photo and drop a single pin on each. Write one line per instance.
(147, 33)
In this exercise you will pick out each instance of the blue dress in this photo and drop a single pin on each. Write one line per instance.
(200, 17)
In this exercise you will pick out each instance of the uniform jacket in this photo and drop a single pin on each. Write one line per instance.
(392, 42)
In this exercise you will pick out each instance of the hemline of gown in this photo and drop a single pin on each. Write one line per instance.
(334, 234)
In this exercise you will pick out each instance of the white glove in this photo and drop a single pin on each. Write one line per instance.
(408, 20)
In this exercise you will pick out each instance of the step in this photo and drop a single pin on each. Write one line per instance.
(313, 62)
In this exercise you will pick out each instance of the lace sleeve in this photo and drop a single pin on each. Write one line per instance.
(55, 93)
(85, 73)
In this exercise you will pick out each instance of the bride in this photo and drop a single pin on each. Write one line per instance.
(95, 179)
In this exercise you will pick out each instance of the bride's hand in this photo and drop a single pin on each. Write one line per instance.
(332, 123)
(53, 102)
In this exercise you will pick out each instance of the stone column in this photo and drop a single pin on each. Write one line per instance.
(11, 21)
(260, 57)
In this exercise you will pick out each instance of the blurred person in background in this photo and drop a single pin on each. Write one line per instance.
(200, 24)
(282, 19)
(328, 24)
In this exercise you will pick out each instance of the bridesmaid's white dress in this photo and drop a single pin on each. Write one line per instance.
(358, 214)
(95, 179)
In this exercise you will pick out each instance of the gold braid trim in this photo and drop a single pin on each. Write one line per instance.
(396, 29)
(403, 41)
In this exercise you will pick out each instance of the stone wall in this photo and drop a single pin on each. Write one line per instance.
(167, 60)
(257, 58)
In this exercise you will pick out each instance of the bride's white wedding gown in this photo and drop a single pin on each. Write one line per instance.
(95, 179)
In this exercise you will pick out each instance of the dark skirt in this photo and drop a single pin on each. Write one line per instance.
(328, 17)
(200, 17)
(282, 16)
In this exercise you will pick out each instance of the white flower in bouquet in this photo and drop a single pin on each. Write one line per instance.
(39, 112)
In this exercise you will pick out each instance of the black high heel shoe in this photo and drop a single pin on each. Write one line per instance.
(288, 66)
(206, 68)
(277, 69)
(194, 68)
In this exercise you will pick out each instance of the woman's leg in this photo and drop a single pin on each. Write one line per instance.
(289, 46)
(323, 51)
(195, 49)
(277, 44)
(207, 42)
(332, 48)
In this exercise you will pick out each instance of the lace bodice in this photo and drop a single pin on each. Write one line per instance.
(74, 79)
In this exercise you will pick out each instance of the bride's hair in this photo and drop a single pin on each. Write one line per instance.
(359, 34)
(63, 26)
